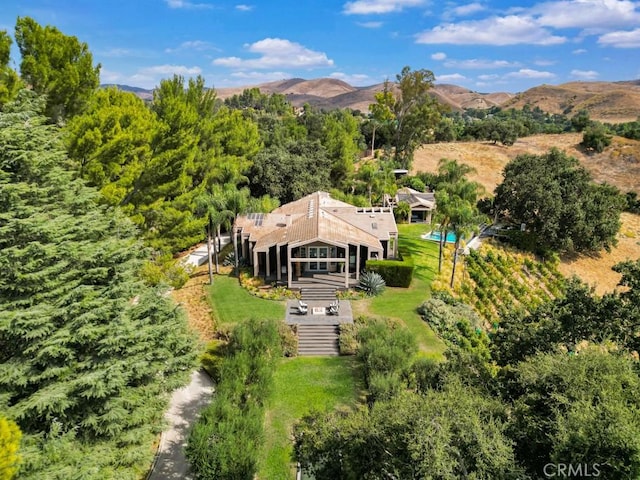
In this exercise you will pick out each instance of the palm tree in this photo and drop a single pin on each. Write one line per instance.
(211, 205)
(237, 202)
(464, 217)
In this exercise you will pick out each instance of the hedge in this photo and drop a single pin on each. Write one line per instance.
(396, 273)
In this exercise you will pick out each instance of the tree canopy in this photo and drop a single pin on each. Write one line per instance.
(87, 347)
(57, 65)
(558, 203)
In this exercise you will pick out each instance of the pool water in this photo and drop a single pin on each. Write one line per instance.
(436, 236)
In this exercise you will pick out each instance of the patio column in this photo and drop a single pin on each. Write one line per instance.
(289, 266)
(278, 263)
(268, 266)
(346, 269)
(255, 264)
(358, 262)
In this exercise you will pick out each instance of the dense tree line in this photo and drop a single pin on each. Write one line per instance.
(89, 352)
(558, 386)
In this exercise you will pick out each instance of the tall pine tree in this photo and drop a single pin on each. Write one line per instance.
(85, 345)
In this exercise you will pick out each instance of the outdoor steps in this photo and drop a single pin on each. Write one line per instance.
(318, 339)
(318, 293)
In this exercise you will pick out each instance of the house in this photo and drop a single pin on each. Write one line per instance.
(316, 236)
(421, 204)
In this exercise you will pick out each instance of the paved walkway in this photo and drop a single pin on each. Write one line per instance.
(186, 402)
(199, 255)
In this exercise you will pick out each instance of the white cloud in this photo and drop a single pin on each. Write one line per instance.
(257, 77)
(107, 76)
(624, 39)
(509, 30)
(438, 56)
(584, 74)
(468, 9)
(480, 64)
(187, 5)
(277, 53)
(195, 45)
(544, 63)
(486, 78)
(170, 70)
(355, 79)
(366, 7)
(587, 13)
(579, 51)
(244, 8)
(370, 24)
(454, 77)
(529, 73)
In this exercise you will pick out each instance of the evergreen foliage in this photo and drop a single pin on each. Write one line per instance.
(58, 66)
(226, 440)
(560, 206)
(9, 81)
(395, 273)
(89, 352)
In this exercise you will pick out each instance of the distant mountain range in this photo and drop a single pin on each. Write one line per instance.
(607, 101)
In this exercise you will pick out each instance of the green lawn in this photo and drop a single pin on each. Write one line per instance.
(402, 303)
(231, 303)
(303, 384)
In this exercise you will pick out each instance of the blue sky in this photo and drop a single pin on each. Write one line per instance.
(486, 46)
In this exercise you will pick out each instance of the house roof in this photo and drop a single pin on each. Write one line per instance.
(319, 217)
(416, 198)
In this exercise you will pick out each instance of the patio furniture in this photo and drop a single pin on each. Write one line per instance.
(333, 308)
(303, 308)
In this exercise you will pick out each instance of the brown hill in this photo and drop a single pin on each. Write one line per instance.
(619, 165)
(330, 93)
(605, 101)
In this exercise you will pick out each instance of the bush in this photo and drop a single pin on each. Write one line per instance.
(396, 273)
(384, 386)
(226, 440)
(165, 270)
(288, 339)
(347, 340)
(212, 358)
(9, 445)
(372, 283)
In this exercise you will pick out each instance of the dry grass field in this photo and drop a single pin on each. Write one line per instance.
(619, 165)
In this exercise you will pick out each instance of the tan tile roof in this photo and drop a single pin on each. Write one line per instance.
(319, 217)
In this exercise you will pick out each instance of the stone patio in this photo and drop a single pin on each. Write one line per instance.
(292, 316)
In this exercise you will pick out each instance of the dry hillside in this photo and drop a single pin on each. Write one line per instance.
(618, 165)
(605, 101)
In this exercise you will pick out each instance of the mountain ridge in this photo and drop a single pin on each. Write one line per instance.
(607, 101)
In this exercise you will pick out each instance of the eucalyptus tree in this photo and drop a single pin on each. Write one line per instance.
(416, 113)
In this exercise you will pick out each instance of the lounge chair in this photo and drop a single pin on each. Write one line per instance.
(333, 308)
(303, 308)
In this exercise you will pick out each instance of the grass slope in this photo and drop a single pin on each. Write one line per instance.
(402, 303)
(231, 304)
(301, 385)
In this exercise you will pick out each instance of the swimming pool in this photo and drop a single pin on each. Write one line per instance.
(436, 236)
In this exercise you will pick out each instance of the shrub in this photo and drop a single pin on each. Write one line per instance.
(372, 283)
(347, 340)
(226, 440)
(165, 270)
(396, 273)
(384, 386)
(212, 357)
(9, 445)
(288, 339)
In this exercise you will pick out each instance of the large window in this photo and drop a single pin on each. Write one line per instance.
(319, 253)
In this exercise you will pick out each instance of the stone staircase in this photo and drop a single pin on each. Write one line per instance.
(318, 340)
(318, 293)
